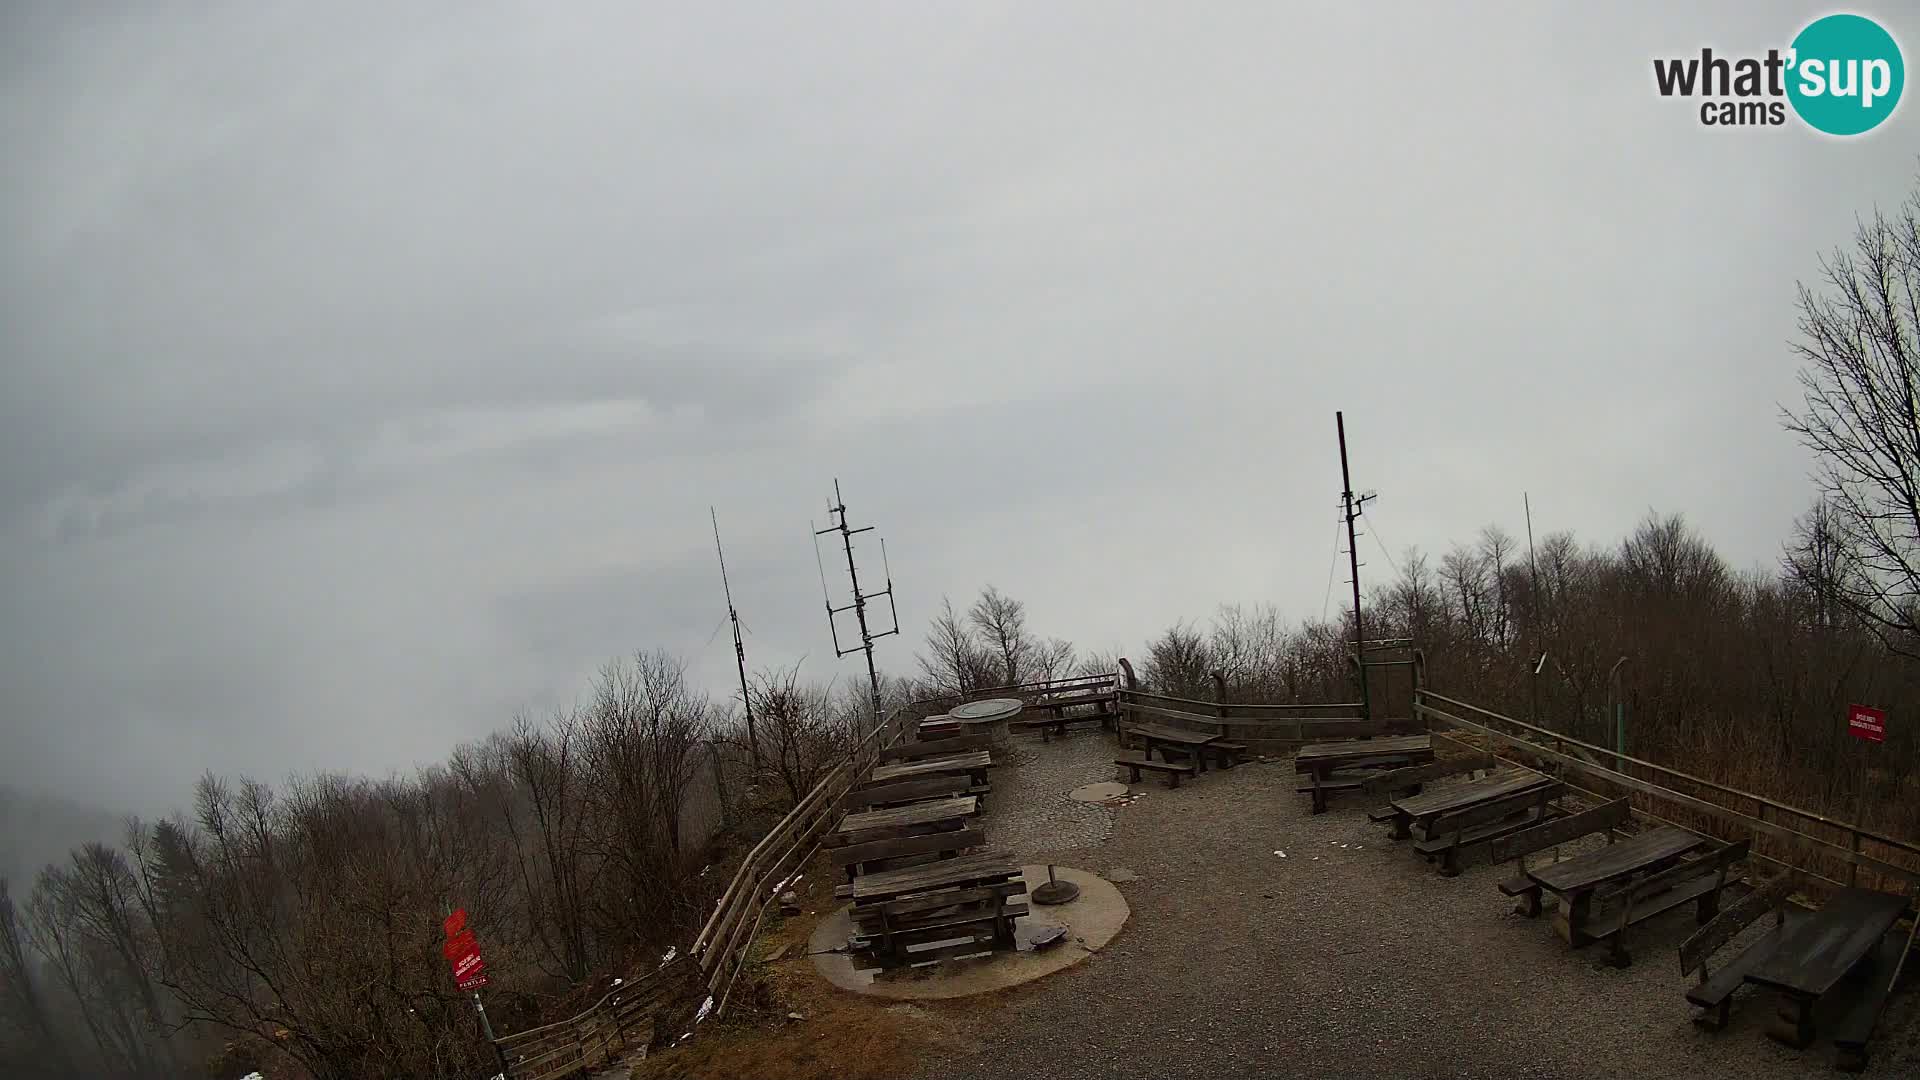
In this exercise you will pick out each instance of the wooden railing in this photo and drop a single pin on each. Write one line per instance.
(601, 1034)
(1791, 836)
(1265, 728)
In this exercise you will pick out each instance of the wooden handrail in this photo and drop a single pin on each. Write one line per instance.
(1714, 785)
(1272, 706)
(1647, 787)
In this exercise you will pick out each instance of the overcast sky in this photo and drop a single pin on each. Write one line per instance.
(369, 370)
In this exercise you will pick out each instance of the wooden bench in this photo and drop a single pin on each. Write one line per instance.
(876, 855)
(912, 918)
(914, 751)
(1422, 811)
(1335, 780)
(962, 898)
(908, 791)
(1341, 766)
(1411, 778)
(1228, 754)
(1713, 993)
(1699, 880)
(1456, 830)
(1057, 724)
(1174, 770)
(1517, 846)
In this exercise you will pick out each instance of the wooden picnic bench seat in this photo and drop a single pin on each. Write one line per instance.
(1425, 808)
(1228, 754)
(1174, 770)
(1050, 726)
(1412, 778)
(941, 910)
(1337, 780)
(965, 899)
(1713, 993)
(1699, 880)
(859, 858)
(1454, 831)
(898, 822)
(907, 791)
(914, 751)
(1517, 846)
(1320, 783)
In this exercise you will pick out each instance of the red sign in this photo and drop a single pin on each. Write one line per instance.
(1868, 724)
(462, 950)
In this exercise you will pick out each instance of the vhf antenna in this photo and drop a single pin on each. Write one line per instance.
(1351, 506)
(837, 514)
(739, 645)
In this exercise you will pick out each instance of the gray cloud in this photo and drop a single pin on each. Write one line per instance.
(368, 373)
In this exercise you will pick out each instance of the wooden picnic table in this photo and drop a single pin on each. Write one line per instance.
(958, 872)
(1422, 809)
(972, 763)
(1323, 758)
(914, 819)
(1814, 955)
(1575, 880)
(963, 902)
(1173, 738)
(1351, 758)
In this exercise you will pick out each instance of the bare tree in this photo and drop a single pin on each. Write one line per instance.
(1002, 623)
(1179, 662)
(802, 738)
(26, 1019)
(954, 662)
(1861, 417)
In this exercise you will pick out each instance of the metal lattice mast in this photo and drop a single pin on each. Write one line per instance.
(837, 514)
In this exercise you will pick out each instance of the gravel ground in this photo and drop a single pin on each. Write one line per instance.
(1354, 961)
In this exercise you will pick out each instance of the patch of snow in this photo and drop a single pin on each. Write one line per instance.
(705, 1008)
(672, 951)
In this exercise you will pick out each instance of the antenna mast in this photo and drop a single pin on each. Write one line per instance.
(837, 514)
(1351, 507)
(739, 644)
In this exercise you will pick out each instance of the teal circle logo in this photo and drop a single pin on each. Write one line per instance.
(1846, 74)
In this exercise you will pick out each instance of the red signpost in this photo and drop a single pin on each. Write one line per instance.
(462, 950)
(1867, 723)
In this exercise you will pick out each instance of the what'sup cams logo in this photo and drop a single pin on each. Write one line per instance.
(1842, 75)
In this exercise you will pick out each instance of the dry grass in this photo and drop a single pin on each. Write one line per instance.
(843, 1036)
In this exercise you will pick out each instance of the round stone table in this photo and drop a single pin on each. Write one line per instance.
(994, 715)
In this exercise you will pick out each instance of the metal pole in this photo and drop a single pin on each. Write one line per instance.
(1860, 809)
(486, 1026)
(1619, 715)
(1353, 559)
(1539, 647)
(739, 645)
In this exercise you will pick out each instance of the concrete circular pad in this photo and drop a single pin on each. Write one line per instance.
(1092, 921)
(1100, 792)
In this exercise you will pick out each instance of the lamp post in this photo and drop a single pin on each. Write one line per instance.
(1619, 715)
